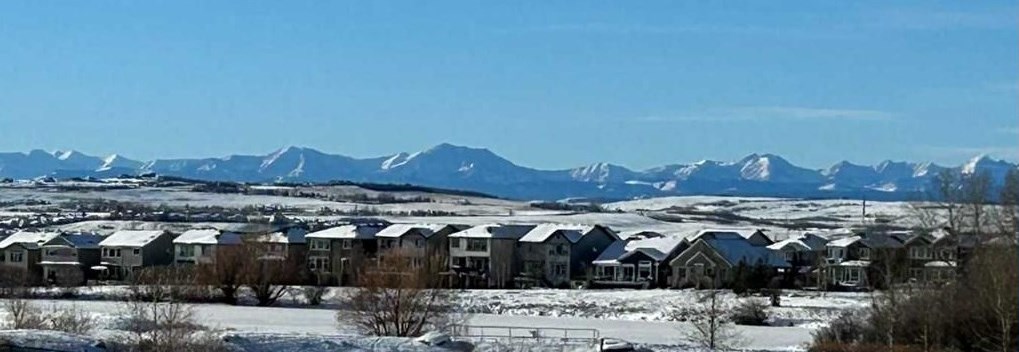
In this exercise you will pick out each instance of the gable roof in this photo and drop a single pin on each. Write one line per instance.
(844, 242)
(543, 232)
(348, 232)
(657, 248)
(803, 242)
(131, 238)
(293, 235)
(398, 230)
(737, 250)
(208, 236)
(28, 239)
(494, 231)
(77, 240)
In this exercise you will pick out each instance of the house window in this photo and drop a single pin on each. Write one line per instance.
(419, 243)
(789, 256)
(947, 254)
(916, 273)
(854, 275)
(347, 244)
(460, 262)
(478, 263)
(137, 251)
(610, 272)
(344, 264)
(454, 243)
(644, 269)
(559, 269)
(864, 253)
(17, 257)
(628, 272)
(698, 270)
(185, 250)
(111, 252)
(836, 253)
(322, 245)
(318, 263)
(477, 245)
(561, 249)
(919, 252)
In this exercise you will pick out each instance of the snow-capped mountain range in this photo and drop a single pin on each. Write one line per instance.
(477, 169)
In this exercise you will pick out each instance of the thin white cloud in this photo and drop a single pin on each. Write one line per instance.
(964, 153)
(765, 113)
(1009, 130)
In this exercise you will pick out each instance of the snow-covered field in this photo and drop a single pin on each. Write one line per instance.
(638, 316)
(833, 212)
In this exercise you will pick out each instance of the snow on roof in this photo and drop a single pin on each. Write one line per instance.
(940, 264)
(543, 232)
(79, 240)
(198, 236)
(855, 263)
(804, 242)
(738, 249)
(350, 232)
(397, 230)
(28, 239)
(497, 231)
(844, 242)
(131, 238)
(657, 248)
(636, 234)
(294, 235)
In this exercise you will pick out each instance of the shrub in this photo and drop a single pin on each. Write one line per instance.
(750, 312)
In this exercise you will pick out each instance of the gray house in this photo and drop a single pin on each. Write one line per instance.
(640, 260)
(338, 254)
(427, 245)
(67, 260)
(485, 255)
(714, 257)
(551, 255)
(126, 251)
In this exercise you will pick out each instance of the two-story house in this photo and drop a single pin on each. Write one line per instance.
(67, 260)
(126, 251)
(551, 255)
(859, 261)
(639, 260)
(714, 258)
(198, 246)
(424, 245)
(339, 254)
(932, 256)
(485, 255)
(806, 253)
(20, 254)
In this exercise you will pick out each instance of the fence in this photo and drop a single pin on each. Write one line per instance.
(529, 334)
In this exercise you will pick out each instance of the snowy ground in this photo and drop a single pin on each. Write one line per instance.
(833, 212)
(639, 316)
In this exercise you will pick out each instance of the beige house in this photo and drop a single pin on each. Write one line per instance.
(423, 243)
(551, 255)
(20, 254)
(126, 251)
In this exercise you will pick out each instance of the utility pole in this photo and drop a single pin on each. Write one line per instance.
(863, 220)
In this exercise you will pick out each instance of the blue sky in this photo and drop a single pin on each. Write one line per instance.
(545, 84)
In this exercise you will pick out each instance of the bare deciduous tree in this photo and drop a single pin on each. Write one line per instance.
(712, 328)
(397, 297)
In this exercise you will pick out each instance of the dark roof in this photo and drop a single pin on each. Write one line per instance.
(736, 249)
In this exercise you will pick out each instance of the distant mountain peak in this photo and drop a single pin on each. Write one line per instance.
(478, 169)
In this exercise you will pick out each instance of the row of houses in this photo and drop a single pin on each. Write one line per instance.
(511, 255)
